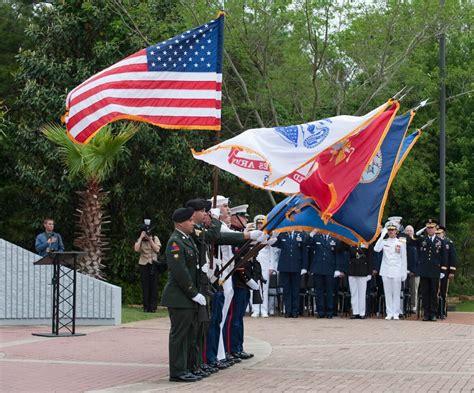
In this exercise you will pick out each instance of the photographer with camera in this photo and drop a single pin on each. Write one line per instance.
(48, 241)
(148, 246)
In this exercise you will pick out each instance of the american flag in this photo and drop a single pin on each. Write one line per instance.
(174, 84)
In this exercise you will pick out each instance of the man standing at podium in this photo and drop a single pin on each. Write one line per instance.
(48, 241)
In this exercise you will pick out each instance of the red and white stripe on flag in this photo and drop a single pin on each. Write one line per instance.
(175, 84)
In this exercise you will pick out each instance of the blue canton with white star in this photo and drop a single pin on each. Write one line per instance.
(196, 50)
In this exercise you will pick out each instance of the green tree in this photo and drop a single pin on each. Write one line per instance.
(91, 162)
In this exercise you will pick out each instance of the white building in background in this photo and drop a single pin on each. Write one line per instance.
(26, 292)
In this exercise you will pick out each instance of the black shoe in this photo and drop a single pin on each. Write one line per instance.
(198, 377)
(248, 355)
(354, 317)
(433, 319)
(287, 315)
(425, 318)
(219, 365)
(442, 317)
(319, 316)
(229, 362)
(201, 373)
(241, 355)
(233, 357)
(184, 378)
(209, 369)
(329, 317)
(294, 316)
(361, 316)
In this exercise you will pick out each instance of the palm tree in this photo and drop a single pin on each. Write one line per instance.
(93, 162)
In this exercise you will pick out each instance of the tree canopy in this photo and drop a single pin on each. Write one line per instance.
(286, 62)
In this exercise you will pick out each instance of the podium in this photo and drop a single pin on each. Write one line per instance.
(64, 293)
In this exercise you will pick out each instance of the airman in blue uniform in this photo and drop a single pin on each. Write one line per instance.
(323, 263)
(293, 262)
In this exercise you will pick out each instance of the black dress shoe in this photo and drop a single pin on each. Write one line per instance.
(294, 316)
(184, 378)
(201, 373)
(287, 315)
(329, 317)
(319, 316)
(241, 355)
(354, 317)
(248, 355)
(442, 317)
(219, 365)
(433, 319)
(426, 318)
(198, 377)
(233, 357)
(209, 369)
(362, 317)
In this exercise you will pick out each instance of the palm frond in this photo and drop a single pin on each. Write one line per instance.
(72, 154)
(104, 149)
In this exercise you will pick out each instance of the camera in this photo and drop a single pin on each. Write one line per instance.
(146, 227)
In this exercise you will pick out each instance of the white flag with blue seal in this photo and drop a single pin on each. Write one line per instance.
(279, 158)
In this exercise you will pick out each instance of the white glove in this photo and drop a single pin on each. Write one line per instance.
(442, 275)
(215, 213)
(252, 284)
(418, 233)
(263, 238)
(303, 271)
(250, 227)
(210, 272)
(272, 241)
(205, 268)
(337, 273)
(200, 299)
(384, 232)
(254, 235)
(404, 277)
(369, 277)
(312, 234)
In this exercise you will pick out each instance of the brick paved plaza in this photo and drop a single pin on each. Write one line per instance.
(304, 354)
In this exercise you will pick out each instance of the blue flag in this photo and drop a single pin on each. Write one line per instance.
(363, 209)
(301, 214)
(408, 143)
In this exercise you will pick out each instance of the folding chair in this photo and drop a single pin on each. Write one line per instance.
(273, 291)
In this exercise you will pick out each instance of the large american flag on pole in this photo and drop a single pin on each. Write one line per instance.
(174, 84)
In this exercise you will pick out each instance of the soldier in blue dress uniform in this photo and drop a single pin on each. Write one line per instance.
(293, 262)
(431, 267)
(323, 263)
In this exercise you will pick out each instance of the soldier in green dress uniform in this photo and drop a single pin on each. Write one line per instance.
(181, 295)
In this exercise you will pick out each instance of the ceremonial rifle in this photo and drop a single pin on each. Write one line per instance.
(248, 243)
(255, 250)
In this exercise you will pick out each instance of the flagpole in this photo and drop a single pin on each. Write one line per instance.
(218, 132)
(442, 126)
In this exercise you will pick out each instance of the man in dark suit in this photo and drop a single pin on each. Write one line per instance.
(293, 263)
(181, 295)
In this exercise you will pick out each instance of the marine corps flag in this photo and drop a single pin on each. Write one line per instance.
(339, 168)
(363, 209)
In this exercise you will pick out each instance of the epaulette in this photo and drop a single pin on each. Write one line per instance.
(402, 239)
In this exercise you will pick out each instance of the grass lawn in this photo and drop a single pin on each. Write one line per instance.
(133, 313)
(465, 306)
